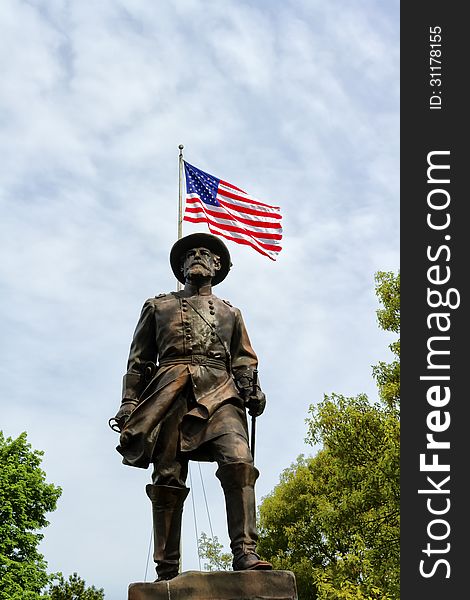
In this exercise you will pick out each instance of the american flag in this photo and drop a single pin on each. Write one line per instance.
(232, 213)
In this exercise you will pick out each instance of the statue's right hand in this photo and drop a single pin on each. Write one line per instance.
(123, 414)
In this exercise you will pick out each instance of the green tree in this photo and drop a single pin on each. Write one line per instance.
(213, 551)
(74, 588)
(25, 498)
(387, 375)
(334, 518)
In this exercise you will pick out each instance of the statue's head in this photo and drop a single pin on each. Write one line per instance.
(200, 256)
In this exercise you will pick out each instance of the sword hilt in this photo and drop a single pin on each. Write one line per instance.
(255, 381)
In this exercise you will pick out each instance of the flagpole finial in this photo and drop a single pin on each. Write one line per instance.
(181, 149)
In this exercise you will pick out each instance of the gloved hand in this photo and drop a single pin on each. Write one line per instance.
(256, 403)
(254, 399)
(123, 414)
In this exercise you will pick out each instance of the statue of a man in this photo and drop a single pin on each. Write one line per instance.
(189, 378)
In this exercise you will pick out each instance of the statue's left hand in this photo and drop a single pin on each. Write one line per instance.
(253, 397)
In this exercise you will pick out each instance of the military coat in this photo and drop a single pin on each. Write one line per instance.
(200, 346)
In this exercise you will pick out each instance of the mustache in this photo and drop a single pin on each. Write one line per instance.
(199, 262)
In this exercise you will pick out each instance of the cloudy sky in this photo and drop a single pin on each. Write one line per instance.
(295, 101)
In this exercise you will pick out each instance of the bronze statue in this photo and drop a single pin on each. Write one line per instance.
(189, 378)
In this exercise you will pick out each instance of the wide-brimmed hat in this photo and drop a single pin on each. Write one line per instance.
(200, 240)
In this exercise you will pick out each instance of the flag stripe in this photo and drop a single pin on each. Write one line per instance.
(275, 227)
(243, 195)
(230, 185)
(271, 253)
(241, 209)
(231, 228)
(248, 211)
(247, 201)
(219, 211)
(259, 235)
(252, 230)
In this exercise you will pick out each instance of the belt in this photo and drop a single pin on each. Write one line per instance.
(193, 359)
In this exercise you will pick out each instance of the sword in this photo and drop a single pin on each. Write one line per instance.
(253, 418)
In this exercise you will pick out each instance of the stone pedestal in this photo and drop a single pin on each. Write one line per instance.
(219, 585)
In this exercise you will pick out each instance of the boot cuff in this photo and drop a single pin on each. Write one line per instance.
(237, 475)
(166, 495)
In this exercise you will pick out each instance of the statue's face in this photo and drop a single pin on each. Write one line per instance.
(200, 263)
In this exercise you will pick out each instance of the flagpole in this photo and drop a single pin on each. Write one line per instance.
(180, 204)
(178, 283)
(180, 200)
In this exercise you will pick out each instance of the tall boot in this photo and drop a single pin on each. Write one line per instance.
(238, 482)
(167, 512)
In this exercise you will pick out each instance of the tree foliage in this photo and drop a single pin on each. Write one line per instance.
(212, 550)
(25, 498)
(387, 375)
(73, 588)
(333, 518)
